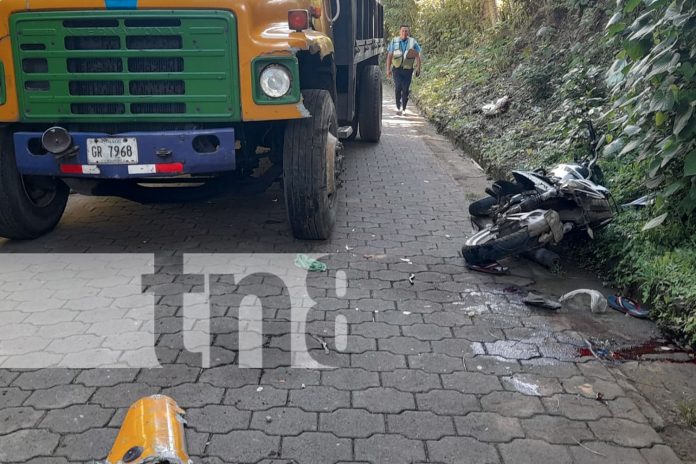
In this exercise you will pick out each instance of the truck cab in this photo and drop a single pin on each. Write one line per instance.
(125, 97)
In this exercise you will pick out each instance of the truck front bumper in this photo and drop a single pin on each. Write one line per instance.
(160, 154)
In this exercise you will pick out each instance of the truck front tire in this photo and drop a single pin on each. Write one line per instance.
(370, 104)
(30, 206)
(309, 175)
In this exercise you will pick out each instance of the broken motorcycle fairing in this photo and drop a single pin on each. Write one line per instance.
(539, 209)
(152, 433)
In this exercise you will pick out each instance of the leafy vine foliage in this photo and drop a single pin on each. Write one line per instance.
(653, 81)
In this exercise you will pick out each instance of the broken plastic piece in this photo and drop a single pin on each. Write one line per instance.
(310, 264)
(598, 303)
(541, 301)
(492, 268)
(152, 432)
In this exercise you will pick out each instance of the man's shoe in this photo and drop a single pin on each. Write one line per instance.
(398, 112)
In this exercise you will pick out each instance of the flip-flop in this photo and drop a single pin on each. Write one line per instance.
(628, 306)
(492, 268)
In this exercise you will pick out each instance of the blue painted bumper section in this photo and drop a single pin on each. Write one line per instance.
(180, 143)
(121, 4)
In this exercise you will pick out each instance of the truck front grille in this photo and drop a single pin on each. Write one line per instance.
(127, 65)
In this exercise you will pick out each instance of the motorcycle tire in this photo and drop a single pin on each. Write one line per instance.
(482, 207)
(514, 244)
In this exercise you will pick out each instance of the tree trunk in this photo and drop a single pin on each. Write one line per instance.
(491, 10)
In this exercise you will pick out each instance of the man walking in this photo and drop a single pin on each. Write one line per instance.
(403, 59)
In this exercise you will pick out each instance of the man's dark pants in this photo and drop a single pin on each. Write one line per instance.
(402, 82)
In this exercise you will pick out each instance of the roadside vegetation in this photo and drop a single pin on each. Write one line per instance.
(630, 66)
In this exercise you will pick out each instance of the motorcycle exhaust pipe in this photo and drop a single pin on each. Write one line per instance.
(545, 258)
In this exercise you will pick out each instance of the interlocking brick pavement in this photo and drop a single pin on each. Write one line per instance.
(449, 369)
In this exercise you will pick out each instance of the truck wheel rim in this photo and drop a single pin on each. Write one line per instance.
(39, 195)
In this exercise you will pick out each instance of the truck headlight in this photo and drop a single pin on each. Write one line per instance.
(276, 81)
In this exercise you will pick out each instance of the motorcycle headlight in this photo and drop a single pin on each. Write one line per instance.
(276, 81)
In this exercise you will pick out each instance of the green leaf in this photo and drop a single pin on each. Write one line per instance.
(660, 118)
(614, 147)
(616, 29)
(631, 5)
(616, 73)
(690, 164)
(673, 188)
(632, 145)
(666, 63)
(689, 203)
(662, 100)
(636, 49)
(687, 70)
(631, 130)
(670, 152)
(655, 167)
(683, 117)
(615, 19)
(656, 222)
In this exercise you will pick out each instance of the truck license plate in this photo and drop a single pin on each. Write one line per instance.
(112, 151)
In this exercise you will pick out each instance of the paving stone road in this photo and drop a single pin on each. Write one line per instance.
(451, 369)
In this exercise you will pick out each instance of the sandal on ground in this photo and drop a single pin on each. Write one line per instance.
(628, 306)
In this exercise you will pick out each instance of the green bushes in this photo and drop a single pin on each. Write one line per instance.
(653, 129)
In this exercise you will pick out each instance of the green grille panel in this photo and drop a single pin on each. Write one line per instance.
(126, 66)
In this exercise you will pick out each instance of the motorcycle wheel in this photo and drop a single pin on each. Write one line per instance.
(497, 248)
(482, 207)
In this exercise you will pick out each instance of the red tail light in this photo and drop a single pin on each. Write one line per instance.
(298, 20)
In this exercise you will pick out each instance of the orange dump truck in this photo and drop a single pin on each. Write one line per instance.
(125, 97)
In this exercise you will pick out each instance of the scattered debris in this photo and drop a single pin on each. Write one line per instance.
(407, 313)
(374, 256)
(541, 301)
(322, 343)
(641, 202)
(412, 279)
(500, 106)
(309, 264)
(259, 390)
(492, 268)
(407, 260)
(599, 397)
(348, 248)
(598, 303)
(269, 419)
(589, 449)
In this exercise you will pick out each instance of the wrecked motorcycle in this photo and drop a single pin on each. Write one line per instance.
(539, 209)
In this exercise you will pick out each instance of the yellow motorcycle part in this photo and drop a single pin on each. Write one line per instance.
(152, 432)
